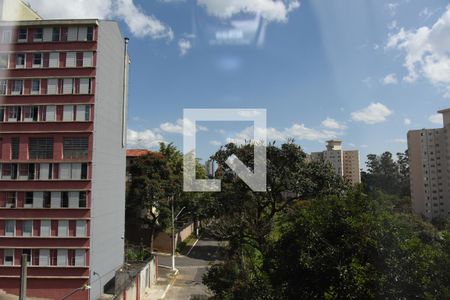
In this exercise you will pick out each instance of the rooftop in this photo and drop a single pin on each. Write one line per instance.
(137, 152)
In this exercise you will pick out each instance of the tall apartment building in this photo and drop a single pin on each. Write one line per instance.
(63, 101)
(429, 153)
(345, 163)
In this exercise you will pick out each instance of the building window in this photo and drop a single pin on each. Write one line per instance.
(87, 59)
(8, 257)
(80, 257)
(85, 86)
(17, 88)
(4, 61)
(73, 171)
(22, 35)
(53, 60)
(10, 228)
(26, 171)
(40, 148)
(80, 228)
(82, 113)
(68, 86)
(82, 199)
(28, 203)
(37, 60)
(11, 199)
(50, 113)
(90, 33)
(72, 34)
(45, 228)
(38, 34)
(71, 59)
(75, 199)
(30, 113)
(20, 60)
(46, 199)
(27, 228)
(28, 253)
(75, 148)
(55, 199)
(61, 259)
(15, 148)
(65, 199)
(63, 228)
(68, 113)
(9, 171)
(35, 87)
(3, 86)
(14, 113)
(56, 34)
(44, 257)
(52, 86)
(45, 171)
(6, 36)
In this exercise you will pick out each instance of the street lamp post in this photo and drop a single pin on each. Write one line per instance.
(174, 218)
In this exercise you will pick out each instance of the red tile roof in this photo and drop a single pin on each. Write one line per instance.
(137, 152)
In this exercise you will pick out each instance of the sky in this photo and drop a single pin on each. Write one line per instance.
(363, 71)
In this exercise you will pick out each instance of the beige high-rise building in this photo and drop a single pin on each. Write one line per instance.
(429, 152)
(345, 163)
(17, 10)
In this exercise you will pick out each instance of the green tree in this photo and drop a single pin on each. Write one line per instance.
(247, 219)
(353, 247)
(386, 174)
(155, 180)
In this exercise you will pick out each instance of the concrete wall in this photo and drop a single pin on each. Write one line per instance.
(163, 241)
(108, 188)
(131, 284)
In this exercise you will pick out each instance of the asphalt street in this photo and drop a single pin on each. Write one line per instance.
(192, 266)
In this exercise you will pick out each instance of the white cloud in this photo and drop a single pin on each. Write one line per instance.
(268, 9)
(139, 23)
(390, 79)
(436, 119)
(400, 141)
(185, 46)
(425, 13)
(372, 114)
(178, 127)
(297, 131)
(215, 143)
(392, 8)
(393, 25)
(407, 121)
(143, 139)
(426, 51)
(333, 124)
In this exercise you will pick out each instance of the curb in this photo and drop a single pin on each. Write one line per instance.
(174, 278)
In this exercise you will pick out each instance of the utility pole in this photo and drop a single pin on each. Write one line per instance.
(173, 235)
(23, 278)
(174, 240)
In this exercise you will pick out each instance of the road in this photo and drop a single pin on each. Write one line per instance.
(191, 268)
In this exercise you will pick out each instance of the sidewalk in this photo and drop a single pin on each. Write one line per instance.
(158, 291)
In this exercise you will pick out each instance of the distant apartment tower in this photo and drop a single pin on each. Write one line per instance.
(63, 102)
(210, 168)
(429, 152)
(345, 163)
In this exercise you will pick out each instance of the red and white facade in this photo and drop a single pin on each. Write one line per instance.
(62, 155)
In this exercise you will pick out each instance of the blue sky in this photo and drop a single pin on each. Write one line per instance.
(365, 72)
